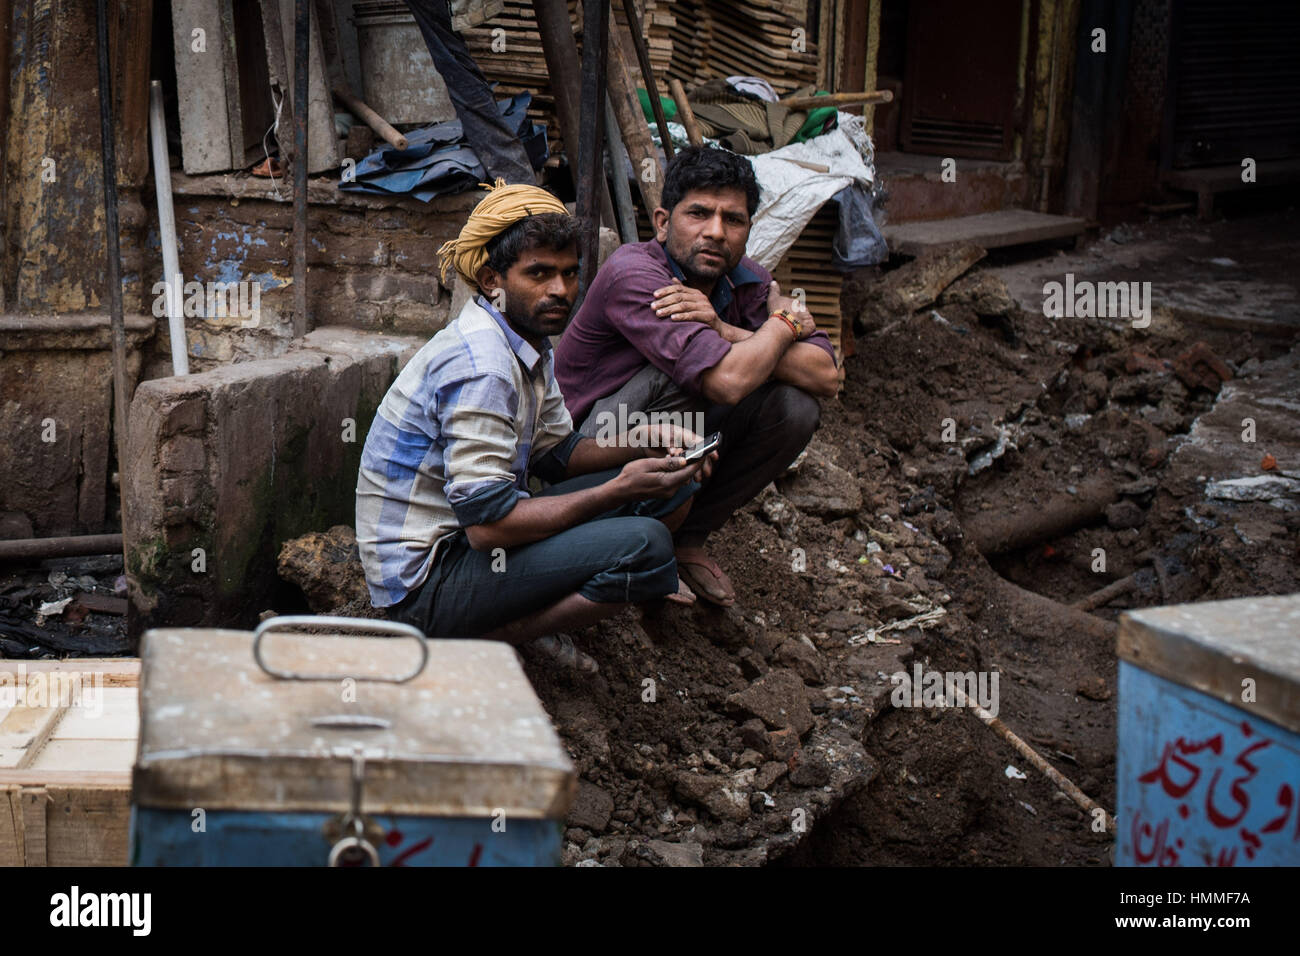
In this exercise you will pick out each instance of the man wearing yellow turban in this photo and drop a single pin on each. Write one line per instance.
(456, 534)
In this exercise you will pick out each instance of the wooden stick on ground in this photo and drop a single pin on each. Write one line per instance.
(1107, 594)
(685, 112)
(371, 119)
(1062, 782)
(838, 99)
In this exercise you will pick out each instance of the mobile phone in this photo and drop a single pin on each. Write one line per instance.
(703, 448)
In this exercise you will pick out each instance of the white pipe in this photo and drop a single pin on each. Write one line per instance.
(162, 175)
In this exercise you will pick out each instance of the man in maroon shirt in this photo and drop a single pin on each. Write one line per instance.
(687, 324)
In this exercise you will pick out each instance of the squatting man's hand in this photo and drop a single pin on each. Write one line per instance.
(681, 303)
(660, 440)
(658, 477)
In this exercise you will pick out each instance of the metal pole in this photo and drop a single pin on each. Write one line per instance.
(591, 132)
(162, 177)
(647, 74)
(562, 65)
(617, 161)
(118, 326)
(301, 51)
(38, 549)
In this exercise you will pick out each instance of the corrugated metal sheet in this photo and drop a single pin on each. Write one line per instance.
(1236, 81)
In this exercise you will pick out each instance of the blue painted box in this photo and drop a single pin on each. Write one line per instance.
(1209, 734)
(280, 748)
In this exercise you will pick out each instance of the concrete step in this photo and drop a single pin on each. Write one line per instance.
(918, 189)
(992, 230)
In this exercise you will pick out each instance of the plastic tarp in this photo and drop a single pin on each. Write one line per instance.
(791, 194)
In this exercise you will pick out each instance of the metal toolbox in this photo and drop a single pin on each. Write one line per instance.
(1209, 734)
(286, 748)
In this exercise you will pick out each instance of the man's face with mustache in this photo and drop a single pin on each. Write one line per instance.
(539, 291)
(705, 233)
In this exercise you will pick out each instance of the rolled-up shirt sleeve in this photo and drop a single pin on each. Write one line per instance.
(682, 350)
(476, 417)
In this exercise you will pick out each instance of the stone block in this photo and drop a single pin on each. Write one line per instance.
(282, 444)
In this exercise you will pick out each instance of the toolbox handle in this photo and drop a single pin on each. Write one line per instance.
(392, 628)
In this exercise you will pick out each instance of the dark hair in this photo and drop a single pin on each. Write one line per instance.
(548, 230)
(706, 167)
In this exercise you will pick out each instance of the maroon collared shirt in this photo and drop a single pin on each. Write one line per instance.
(616, 332)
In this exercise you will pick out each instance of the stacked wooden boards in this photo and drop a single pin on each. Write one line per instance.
(807, 266)
(68, 738)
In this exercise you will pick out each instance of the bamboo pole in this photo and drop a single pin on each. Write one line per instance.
(647, 74)
(685, 112)
(1062, 783)
(838, 99)
(372, 119)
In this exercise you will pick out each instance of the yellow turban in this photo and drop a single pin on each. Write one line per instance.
(498, 211)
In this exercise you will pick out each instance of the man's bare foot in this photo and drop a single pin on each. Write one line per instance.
(704, 576)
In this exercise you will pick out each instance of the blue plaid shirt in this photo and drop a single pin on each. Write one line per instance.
(452, 446)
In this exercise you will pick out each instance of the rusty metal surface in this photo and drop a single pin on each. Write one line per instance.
(959, 94)
(464, 738)
(1216, 646)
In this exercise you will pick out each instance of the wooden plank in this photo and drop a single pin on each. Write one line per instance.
(201, 90)
(85, 755)
(87, 826)
(114, 671)
(11, 827)
(24, 731)
(32, 804)
(115, 717)
(991, 230)
(65, 826)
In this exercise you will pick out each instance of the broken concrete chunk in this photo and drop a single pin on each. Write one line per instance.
(802, 658)
(779, 699)
(770, 773)
(662, 853)
(918, 283)
(821, 487)
(982, 292)
(1277, 490)
(592, 808)
(717, 794)
(1199, 367)
(811, 769)
(326, 565)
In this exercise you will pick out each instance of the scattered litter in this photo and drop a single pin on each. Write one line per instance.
(923, 620)
(1223, 261)
(119, 585)
(53, 608)
(1028, 807)
(889, 569)
(57, 579)
(1268, 464)
(1013, 773)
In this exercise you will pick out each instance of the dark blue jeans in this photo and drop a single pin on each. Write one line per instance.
(620, 557)
(497, 148)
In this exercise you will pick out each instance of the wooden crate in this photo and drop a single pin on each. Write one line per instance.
(65, 760)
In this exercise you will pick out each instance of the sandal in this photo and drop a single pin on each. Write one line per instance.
(708, 580)
(560, 649)
(683, 595)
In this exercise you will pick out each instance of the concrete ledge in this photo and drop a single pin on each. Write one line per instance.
(225, 466)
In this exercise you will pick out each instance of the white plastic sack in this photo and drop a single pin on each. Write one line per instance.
(790, 194)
